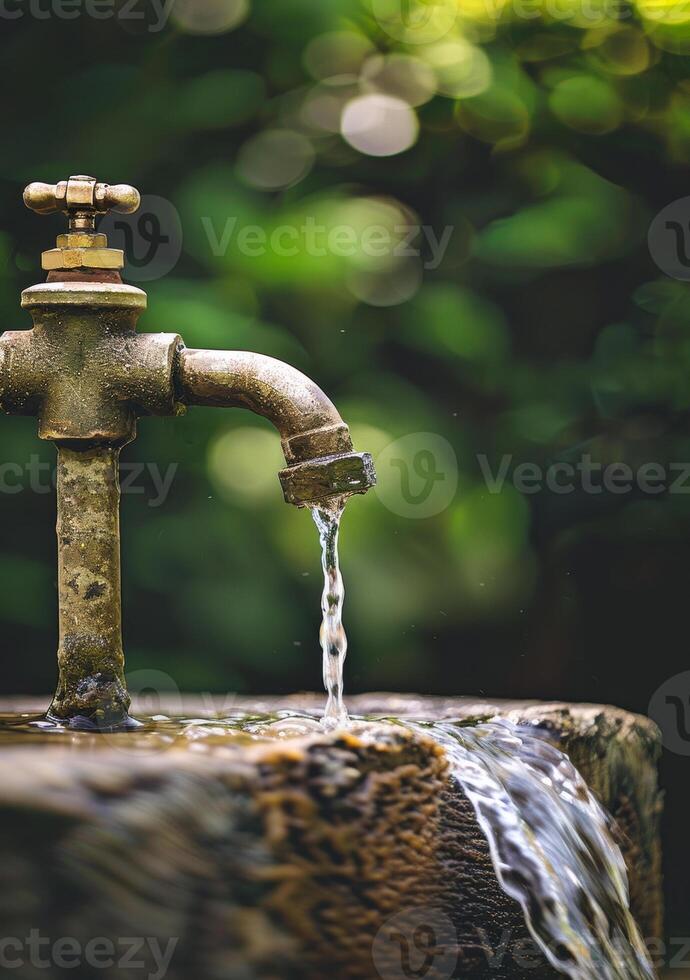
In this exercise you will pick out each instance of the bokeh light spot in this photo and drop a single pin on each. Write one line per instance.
(402, 76)
(587, 104)
(323, 105)
(389, 287)
(416, 21)
(620, 50)
(379, 125)
(461, 69)
(336, 53)
(243, 464)
(497, 116)
(274, 159)
(209, 16)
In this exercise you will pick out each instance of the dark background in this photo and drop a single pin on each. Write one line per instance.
(548, 331)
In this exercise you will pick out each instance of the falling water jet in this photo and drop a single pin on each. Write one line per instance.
(332, 634)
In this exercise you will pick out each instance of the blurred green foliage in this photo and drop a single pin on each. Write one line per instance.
(541, 140)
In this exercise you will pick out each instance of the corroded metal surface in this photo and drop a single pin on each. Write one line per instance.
(328, 476)
(307, 420)
(316, 442)
(91, 689)
(83, 370)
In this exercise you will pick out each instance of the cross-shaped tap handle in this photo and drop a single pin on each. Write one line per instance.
(81, 199)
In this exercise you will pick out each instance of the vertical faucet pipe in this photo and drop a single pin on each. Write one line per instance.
(91, 689)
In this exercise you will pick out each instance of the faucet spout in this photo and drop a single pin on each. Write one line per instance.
(321, 462)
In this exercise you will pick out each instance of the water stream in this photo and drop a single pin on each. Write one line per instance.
(550, 840)
(332, 634)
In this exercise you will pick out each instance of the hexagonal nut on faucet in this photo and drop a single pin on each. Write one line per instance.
(315, 481)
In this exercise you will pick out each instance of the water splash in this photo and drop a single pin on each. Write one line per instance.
(332, 635)
(551, 847)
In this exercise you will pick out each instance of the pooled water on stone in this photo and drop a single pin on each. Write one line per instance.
(332, 635)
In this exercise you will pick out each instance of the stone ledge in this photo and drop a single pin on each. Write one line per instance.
(285, 858)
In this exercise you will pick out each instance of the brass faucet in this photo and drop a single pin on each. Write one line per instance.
(87, 375)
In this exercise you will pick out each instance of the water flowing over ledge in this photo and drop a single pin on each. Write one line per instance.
(551, 847)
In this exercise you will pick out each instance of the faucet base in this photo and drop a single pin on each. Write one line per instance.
(83, 723)
(92, 702)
